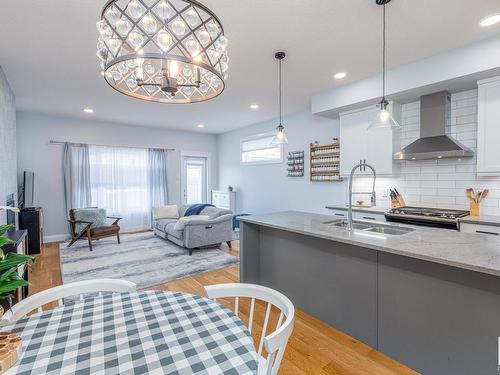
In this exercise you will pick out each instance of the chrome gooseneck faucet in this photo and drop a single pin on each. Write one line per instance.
(360, 166)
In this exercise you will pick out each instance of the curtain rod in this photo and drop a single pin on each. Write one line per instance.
(92, 144)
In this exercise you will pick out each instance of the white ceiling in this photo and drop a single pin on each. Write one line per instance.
(47, 50)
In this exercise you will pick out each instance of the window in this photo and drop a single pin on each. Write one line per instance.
(258, 150)
(120, 183)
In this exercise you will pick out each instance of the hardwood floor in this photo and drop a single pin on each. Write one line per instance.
(314, 347)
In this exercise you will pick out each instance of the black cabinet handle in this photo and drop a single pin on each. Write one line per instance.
(369, 218)
(208, 227)
(337, 214)
(484, 232)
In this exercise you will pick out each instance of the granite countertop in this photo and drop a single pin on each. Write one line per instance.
(375, 209)
(481, 220)
(463, 250)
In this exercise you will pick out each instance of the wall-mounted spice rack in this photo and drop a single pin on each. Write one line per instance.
(295, 164)
(325, 162)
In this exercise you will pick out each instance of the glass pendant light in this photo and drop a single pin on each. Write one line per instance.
(383, 119)
(280, 137)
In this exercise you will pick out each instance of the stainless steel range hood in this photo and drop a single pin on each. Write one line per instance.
(435, 110)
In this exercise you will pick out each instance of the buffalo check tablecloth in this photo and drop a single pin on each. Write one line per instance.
(150, 332)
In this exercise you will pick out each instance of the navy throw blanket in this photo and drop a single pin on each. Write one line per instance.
(195, 209)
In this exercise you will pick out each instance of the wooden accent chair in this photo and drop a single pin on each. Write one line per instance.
(91, 223)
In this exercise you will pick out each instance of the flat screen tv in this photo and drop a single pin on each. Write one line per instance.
(28, 190)
(11, 202)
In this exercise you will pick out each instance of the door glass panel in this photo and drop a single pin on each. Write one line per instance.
(196, 180)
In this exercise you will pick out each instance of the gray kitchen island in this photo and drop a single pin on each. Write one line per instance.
(429, 298)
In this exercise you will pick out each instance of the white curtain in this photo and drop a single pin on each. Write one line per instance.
(76, 175)
(119, 180)
(158, 182)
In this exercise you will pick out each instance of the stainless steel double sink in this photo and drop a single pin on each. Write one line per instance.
(392, 230)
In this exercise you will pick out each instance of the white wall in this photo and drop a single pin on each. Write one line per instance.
(8, 183)
(432, 183)
(266, 188)
(35, 153)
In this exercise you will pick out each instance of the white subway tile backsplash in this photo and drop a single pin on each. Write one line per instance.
(413, 191)
(414, 184)
(465, 168)
(442, 183)
(471, 160)
(491, 202)
(491, 211)
(469, 94)
(438, 169)
(462, 201)
(414, 106)
(412, 199)
(449, 192)
(471, 144)
(443, 201)
(462, 103)
(445, 184)
(467, 119)
(421, 177)
(465, 128)
(494, 193)
(463, 112)
(429, 184)
(411, 169)
(447, 177)
(466, 136)
(428, 191)
(475, 184)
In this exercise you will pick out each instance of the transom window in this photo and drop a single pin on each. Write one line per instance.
(258, 150)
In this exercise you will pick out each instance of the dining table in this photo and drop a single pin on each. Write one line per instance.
(145, 332)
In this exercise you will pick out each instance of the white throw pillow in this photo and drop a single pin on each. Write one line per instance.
(181, 223)
(166, 212)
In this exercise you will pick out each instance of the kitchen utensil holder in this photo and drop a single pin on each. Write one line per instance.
(475, 208)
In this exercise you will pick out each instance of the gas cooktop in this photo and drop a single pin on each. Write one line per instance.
(434, 217)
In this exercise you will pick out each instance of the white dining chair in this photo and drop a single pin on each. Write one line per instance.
(274, 342)
(79, 288)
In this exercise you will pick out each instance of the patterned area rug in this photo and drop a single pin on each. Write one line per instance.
(142, 258)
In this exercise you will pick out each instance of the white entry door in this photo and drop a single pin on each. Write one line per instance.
(194, 179)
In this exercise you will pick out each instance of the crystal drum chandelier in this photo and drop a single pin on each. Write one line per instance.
(168, 51)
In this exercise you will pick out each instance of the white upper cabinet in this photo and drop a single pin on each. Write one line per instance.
(488, 127)
(375, 147)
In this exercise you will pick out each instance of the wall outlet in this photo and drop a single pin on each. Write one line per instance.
(386, 193)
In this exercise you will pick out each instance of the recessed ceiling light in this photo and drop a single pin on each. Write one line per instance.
(490, 20)
(254, 106)
(340, 75)
(200, 126)
(88, 110)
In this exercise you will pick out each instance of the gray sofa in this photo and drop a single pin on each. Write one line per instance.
(198, 233)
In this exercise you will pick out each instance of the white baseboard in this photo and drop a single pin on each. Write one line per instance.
(56, 238)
